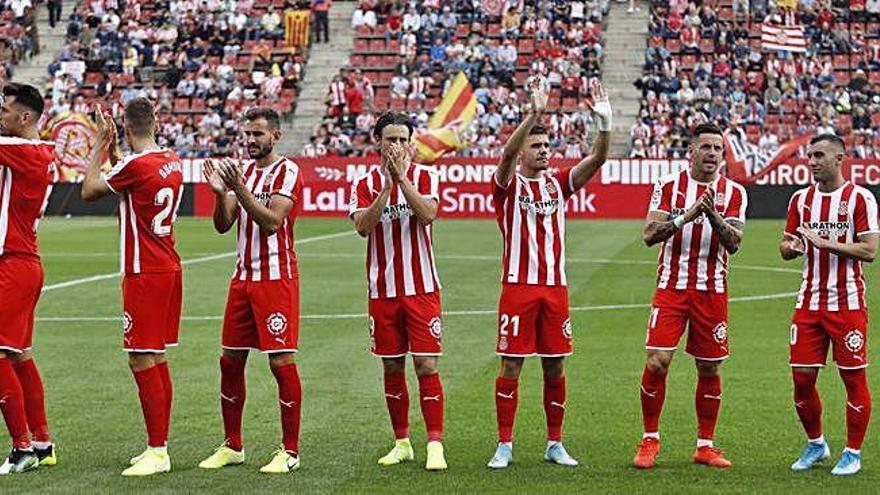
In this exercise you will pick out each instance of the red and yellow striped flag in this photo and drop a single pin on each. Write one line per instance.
(296, 27)
(447, 126)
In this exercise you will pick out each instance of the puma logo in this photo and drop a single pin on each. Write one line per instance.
(435, 397)
(649, 394)
(713, 397)
(231, 400)
(854, 407)
(800, 404)
(394, 396)
(503, 396)
(287, 404)
(556, 404)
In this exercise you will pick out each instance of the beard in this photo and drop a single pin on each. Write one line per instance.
(258, 152)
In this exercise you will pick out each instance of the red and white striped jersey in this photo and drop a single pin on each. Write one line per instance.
(27, 172)
(264, 256)
(150, 187)
(694, 258)
(832, 282)
(400, 252)
(337, 93)
(531, 215)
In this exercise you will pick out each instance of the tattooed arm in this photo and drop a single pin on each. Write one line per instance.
(659, 226)
(730, 231)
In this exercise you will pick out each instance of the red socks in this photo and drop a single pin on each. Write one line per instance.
(169, 391)
(431, 394)
(858, 406)
(808, 404)
(12, 405)
(653, 393)
(397, 399)
(707, 402)
(34, 403)
(290, 398)
(232, 396)
(152, 397)
(554, 406)
(506, 400)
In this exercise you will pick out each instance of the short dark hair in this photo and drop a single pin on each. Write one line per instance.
(706, 128)
(538, 129)
(26, 96)
(272, 117)
(834, 138)
(392, 118)
(140, 117)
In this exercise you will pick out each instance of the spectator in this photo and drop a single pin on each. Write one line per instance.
(321, 9)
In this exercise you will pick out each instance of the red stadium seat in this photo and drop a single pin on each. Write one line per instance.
(398, 104)
(361, 31)
(707, 46)
(873, 29)
(841, 62)
(356, 61)
(389, 60)
(181, 104)
(673, 45)
(726, 14)
(841, 77)
(374, 61)
(393, 45)
(688, 62)
(361, 45)
(377, 46)
(875, 121)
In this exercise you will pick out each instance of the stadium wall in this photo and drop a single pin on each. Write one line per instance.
(620, 191)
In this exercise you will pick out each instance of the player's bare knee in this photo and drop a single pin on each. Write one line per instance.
(394, 366)
(511, 367)
(425, 365)
(235, 354)
(20, 357)
(279, 359)
(658, 362)
(708, 368)
(553, 367)
(139, 361)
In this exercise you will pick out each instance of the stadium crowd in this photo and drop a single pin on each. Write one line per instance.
(704, 60)
(19, 35)
(405, 53)
(203, 62)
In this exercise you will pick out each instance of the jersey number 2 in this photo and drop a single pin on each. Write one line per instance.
(165, 198)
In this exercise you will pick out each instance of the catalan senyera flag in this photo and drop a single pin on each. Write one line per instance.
(296, 27)
(450, 121)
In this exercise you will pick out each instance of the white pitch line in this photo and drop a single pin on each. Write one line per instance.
(193, 261)
(473, 312)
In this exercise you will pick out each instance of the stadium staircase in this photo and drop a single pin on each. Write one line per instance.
(625, 38)
(324, 62)
(34, 71)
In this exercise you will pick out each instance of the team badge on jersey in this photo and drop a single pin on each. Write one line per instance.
(550, 188)
(127, 322)
(566, 328)
(719, 199)
(720, 332)
(436, 327)
(843, 209)
(276, 323)
(854, 340)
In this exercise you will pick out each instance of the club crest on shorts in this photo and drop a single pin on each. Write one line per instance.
(502, 344)
(276, 323)
(566, 328)
(127, 322)
(720, 332)
(435, 326)
(854, 340)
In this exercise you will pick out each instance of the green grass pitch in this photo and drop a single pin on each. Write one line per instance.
(94, 414)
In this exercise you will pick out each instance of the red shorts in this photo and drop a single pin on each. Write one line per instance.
(262, 316)
(533, 320)
(21, 280)
(406, 325)
(705, 315)
(812, 331)
(151, 311)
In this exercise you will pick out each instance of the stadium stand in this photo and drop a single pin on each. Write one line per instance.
(705, 60)
(402, 57)
(203, 62)
(19, 36)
